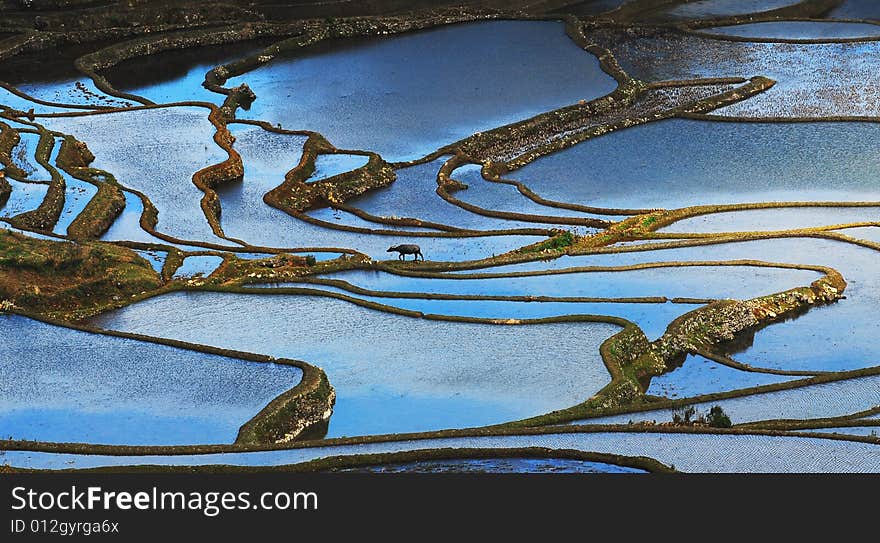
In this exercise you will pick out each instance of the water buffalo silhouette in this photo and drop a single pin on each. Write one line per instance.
(404, 250)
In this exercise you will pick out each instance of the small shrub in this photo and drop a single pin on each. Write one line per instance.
(556, 243)
(311, 260)
(684, 415)
(717, 418)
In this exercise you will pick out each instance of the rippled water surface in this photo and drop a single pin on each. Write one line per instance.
(170, 144)
(697, 453)
(394, 373)
(68, 386)
(406, 353)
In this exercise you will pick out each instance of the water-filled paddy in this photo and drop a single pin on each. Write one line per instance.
(155, 151)
(833, 399)
(500, 197)
(330, 165)
(812, 80)
(871, 431)
(200, 265)
(76, 196)
(176, 75)
(797, 30)
(393, 373)
(267, 156)
(696, 453)
(54, 78)
(652, 318)
(127, 225)
(414, 195)
(869, 233)
(705, 9)
(775, 219)
(402, 96)
(699, 375)
(694, 282)
(407, 95)
(23, 156)
(155, 258)
(826, 338)
(344, 219)
(834, 337)
(838, 336)
(856, 9)
(20, 103)
(497, 465)
(23, 198)
(69, 386)
(676, 164)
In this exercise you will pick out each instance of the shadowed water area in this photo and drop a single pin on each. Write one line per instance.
(405, 96)
(592, 7)
(856, 9)
(54, 78)
(497, 465)
(177, 75)
(707, 9)
(675, 163)
(812, 80)
(799, 30)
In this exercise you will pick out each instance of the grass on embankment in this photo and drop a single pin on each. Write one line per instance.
(46, 276)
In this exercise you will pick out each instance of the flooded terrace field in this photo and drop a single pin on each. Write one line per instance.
(532, 236)
(402, 96)
(384, 366)
(120, 391)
